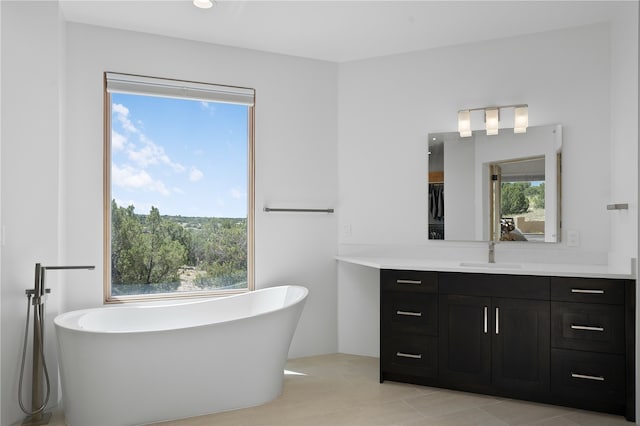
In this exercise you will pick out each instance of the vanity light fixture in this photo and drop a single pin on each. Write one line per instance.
(521, 119)
(203, 4)
(464, 123)
(492, 119)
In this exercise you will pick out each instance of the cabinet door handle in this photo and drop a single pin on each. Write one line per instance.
(587, 377)
(497, 320)
(409, 314)
(586, 327)
(585, 291)
(415, 282)
(405, 355)
(486, 320)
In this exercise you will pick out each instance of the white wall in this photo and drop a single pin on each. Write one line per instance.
(52, 165)
(624, 134)
(31, 43)
(460, 193)
(295, 139)
(1, 223)
(388, 106)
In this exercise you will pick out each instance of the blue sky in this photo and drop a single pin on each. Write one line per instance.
(184, 157)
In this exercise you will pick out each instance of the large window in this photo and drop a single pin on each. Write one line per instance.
(178, 188)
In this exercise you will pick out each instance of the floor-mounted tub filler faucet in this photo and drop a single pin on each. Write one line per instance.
(492, 252)
(39, 399)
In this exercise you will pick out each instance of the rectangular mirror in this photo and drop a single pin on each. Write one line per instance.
(504, 187)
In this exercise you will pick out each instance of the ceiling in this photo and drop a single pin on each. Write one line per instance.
(340, 30)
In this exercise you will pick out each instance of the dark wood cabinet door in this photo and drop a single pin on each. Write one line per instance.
(521, 346)
(464, 341)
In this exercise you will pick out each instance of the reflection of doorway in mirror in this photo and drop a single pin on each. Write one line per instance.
(518, 200)
(495, 172)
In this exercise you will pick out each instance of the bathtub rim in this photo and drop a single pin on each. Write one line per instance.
(69, 321)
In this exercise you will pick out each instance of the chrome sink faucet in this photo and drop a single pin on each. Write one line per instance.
(492, 252)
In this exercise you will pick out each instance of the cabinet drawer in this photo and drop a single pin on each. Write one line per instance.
(411, 355)
(410, 281)
(589, 380)
(587, 326)
(415, 313)
(495, 285)
(591, 290)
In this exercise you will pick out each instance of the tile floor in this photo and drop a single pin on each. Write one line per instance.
(343, 390)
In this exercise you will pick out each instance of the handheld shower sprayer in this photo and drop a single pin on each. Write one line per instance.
(36, 297)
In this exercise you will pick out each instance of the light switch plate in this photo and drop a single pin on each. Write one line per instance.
(573, 238)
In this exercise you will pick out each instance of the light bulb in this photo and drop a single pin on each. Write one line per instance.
(203, 4)
(464, 123)
(492, 118)
(521, 119)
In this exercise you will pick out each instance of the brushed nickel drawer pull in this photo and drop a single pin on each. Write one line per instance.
(409, 314)
(412, 356)
(585, 291)
(586, 327)
(587, 377)
(416, 282)
(497, 320)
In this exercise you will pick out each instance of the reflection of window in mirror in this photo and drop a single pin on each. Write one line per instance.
(518, 200)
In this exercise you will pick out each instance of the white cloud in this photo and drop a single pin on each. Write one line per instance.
(143, 156)
(120, 109)
(237, 193)
(152, 154)
(207, 106)
(122, 115)
(129, 177)
(118, 141)
(195, 174)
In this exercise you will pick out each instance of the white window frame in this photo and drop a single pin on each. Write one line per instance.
(152, 86)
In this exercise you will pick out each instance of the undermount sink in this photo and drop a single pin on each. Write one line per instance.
(491, 265)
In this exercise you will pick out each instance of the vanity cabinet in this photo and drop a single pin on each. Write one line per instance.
(591, 342)
(409, 326)
(494, 344)
(559, 340)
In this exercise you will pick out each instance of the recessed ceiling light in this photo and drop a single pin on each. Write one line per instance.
(203, 4)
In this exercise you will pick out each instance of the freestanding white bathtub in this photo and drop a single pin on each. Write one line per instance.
(132, 365)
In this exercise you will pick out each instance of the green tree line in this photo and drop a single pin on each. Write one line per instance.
(516, 197)
(153, 249)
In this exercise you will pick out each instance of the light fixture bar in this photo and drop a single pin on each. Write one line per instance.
(492, 119)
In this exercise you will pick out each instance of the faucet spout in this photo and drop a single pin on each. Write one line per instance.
(492, 252)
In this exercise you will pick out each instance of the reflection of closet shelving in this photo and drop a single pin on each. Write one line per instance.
(436, 205)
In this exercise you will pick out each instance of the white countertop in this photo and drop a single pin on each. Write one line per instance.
(541, 269)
